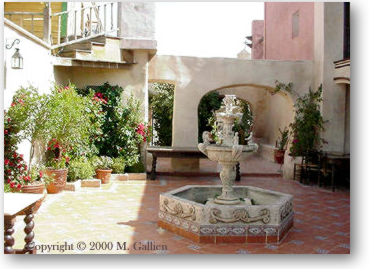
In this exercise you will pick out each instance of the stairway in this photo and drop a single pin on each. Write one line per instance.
(101, 49)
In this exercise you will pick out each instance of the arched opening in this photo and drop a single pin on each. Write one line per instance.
(210, 103)
(271, 112)
(160, 112)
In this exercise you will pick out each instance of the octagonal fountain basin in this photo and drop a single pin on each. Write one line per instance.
(263, 216)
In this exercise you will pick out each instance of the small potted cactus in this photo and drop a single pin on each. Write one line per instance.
(103, 166)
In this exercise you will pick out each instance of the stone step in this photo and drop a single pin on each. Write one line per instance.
(91, 183)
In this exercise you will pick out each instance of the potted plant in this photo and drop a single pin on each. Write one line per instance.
(34, 182)
(103, 165)
(67, 132)
(281, 145)
(56, 163)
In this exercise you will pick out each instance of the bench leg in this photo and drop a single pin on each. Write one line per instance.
(154, 164)
(8, 232)
(237, 178)
(29, 239)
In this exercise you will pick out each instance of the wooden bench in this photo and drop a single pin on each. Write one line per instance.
(177, 152)
(16, 204)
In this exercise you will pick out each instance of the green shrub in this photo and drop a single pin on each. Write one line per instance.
(102, 162)
(80, 169)
(136, 168)
(208, 104)
(161, 103)
(120, 135)
(118, 165)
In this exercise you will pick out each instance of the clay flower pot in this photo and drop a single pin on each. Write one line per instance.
(58, 183)
(103, 175)
(279, 156)
(36, 187)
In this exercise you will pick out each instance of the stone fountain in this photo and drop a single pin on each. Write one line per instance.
(213, 213)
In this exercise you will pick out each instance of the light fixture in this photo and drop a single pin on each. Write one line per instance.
(17, 60)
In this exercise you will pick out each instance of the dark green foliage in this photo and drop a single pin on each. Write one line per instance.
(245, 125)
(119, 136)
(161, 104)
(136, 168)
(308, 123)
(208, 104)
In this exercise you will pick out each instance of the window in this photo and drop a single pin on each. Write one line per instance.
(295, 24)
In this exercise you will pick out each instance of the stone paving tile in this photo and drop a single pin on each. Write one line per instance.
(128, 212)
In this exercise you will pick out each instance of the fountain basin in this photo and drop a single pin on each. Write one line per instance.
(263, 216)
(221, 153)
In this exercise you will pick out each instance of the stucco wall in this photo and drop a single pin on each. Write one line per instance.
(328, 47)
(194, 77)
(279, 44)
(37, 69)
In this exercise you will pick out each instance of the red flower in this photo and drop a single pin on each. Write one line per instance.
(13, 104)
(56, 145)
(19, 186)
(14, 154)
(40, 174)
(5, 132)
(6, 161)
(49, 148)
(8, 180)
(12, 185)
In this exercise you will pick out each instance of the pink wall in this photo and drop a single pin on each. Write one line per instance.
(257, 39)
(279, 44)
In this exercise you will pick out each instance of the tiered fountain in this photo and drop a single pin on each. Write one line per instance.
(213, 213)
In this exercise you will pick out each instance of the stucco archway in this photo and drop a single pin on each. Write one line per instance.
(194, 77)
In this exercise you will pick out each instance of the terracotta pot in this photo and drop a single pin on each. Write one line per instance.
(35, 188)
(59, 180)
(279, 156)
(103, 175)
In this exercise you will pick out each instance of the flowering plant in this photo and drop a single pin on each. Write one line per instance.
(144, 131)
(15, 172)
(102, 162)
(56, 155)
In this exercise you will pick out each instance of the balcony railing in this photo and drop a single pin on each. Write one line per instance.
(86, 22)
(66, 27)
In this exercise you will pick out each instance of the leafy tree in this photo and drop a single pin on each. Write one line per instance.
(161, 103)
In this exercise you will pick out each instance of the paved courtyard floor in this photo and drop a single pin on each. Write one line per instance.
(128, 212)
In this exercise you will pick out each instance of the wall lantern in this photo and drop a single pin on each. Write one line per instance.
(17, 59)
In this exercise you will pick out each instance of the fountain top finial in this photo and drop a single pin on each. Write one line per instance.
(229, 102)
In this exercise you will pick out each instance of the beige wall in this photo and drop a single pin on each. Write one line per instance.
(328, 47)
(194, 77)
